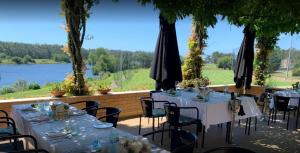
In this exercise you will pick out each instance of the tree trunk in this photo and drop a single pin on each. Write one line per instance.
(73, 13)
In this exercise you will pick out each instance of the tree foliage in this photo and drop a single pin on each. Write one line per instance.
(225, 62)
(192, 67)
(265, 46)
(76, 14)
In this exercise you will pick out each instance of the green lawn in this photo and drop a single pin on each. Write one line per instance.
(139, 79)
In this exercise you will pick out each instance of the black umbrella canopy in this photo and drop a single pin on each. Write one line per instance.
(166, 65)
(243, 68)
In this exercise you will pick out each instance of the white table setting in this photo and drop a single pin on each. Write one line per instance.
(213, 110)
(76, 132)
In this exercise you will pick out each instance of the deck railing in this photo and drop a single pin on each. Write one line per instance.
(128, 101)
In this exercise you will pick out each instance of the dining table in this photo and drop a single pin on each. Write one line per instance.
(294, 96)
(211, 112)
(77, 133)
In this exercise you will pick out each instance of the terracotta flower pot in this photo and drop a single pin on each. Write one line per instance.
(103, 91)
(58, 93)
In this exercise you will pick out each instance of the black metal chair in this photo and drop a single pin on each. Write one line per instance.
(281, 104)
(229, 150)
(181, 140)
(8, 125)
(15, 143)
(176, 120)
(111, 115)
(149, 111)
(90, 106)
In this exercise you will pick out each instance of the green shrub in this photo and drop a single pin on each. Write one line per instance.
(6, 90)
(34, 86)
(296, 72)
(27, 59)
(225, 62)
(17, 60)
(20, 85)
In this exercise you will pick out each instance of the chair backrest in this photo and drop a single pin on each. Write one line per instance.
(281, 103)
(15, 142)
(231, 149)
(112, 115)
(172, 114)
(182, 141)
(31, 151)
(91, 107)
(147, 106)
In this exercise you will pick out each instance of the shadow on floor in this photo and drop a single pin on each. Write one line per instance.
(267, 139)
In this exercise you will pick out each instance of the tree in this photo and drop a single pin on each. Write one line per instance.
(192, 67)
(225, 62)
(265, 46)
(16, 60)
(102, 61)
(76, 14)
(27, 59)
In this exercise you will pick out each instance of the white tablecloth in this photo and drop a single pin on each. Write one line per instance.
(213, 112)
(78, 143)
(294, 101)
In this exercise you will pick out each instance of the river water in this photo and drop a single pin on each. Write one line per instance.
(40, 73)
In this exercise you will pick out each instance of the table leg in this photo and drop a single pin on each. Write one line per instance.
(298, 111)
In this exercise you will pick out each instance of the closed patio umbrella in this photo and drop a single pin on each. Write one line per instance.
(166, 65)
(243, 68)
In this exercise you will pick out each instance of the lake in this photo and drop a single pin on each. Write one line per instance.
(40, 73)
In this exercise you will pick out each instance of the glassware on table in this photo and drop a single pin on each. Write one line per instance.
(225, 89)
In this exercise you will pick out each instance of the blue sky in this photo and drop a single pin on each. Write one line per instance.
(123, 25)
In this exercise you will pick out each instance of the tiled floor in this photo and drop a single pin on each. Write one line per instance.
(267, 139)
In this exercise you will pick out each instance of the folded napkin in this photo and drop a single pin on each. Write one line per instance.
(55, 134)
(77, 112)
(26, 108)
(39, 119)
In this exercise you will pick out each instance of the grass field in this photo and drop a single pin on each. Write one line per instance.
(139, 79)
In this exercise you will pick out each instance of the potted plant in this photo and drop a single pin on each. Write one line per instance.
(103, 89)
(57, 90)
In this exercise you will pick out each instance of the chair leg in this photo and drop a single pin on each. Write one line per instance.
(158, 122)
(269, 117)
(153, 124)
(246, 126)
(284, 115)
(140, 125)
(275, 116)
(203, 136)
(239, 122)
(288, 121)
(148, 120)
(255, 124)
(249, 126)
(162, 135)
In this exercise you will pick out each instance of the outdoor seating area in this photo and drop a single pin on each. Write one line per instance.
(116, 84)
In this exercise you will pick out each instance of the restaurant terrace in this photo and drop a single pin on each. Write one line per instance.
(183, 112)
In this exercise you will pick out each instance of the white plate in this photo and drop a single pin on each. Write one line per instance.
(102, 125)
